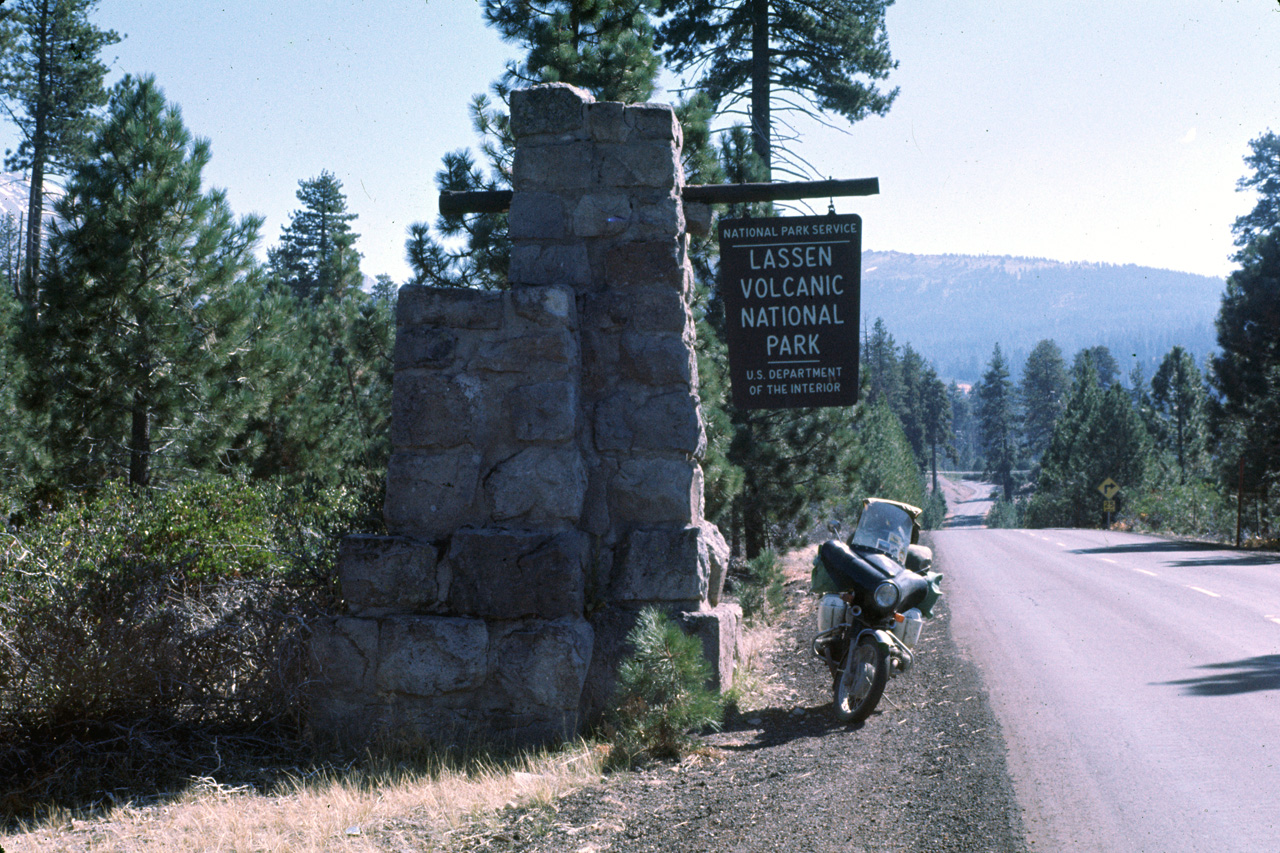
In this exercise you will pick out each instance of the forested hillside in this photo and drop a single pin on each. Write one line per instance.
(952, 308)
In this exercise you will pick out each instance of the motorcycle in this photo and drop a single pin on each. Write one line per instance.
(877, 589)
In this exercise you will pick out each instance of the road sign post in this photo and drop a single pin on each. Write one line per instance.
(1108, 488)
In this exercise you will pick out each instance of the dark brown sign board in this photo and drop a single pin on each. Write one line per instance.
(791, 288)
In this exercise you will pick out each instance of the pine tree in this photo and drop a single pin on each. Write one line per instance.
(938, 432)
(123, 342)
(316, 257)
(51, 80)
(807, 56)
(1178, 397)
(881, 365)
(909, 406)
(1248, 326)
(1098, 436)
(603, 46)
(1104, 364)
(964, 423)
(1264, 163)
(1043, 393)
(996, 418)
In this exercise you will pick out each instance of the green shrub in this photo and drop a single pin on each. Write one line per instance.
(131, 615)
(661, 696)
(935, 511)
(1195, 509)
(762, 591)
(1006, 514)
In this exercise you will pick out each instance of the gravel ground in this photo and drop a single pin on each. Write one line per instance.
(926, 772)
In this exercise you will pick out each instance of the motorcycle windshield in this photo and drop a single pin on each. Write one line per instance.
(886, 528)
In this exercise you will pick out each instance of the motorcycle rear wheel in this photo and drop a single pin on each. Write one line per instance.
(860, 681)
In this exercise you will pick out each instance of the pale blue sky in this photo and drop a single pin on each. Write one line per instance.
(1099, 130)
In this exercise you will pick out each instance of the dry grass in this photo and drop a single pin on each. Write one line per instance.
(362, 812)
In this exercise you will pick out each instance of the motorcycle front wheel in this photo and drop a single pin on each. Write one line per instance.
(860, 680)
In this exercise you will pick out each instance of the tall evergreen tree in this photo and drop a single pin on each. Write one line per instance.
(124, 336)
(996, 413)
(1104, 364)
(964, 424)
(316, 257)
(810, 56)
(1043, 393)
(909, 406)
(938, 432)
(1178, 397)
(881, 365)
(603, 46)
(1248, 326)
(1264, 178)
(51, 80)
(1099, 436)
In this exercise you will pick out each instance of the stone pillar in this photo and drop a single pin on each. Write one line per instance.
(544, 484)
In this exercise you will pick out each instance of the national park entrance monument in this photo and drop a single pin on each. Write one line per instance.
(544, 484)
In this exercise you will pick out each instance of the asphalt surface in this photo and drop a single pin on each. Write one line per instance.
(1135, 680)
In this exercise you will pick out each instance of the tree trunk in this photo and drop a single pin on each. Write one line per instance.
(39, 152)
(35, 219)
(933, 461)
(140, 446)
(760, 122)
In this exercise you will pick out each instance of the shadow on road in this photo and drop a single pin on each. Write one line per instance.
(1153, 547)
(1243, 676)
(1242, 558)
(958, 520)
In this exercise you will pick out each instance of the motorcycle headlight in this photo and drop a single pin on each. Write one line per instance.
(886, 595)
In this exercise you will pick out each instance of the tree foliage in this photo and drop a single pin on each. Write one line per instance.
(316, 256)
(766, 59)
(51, 81)
(603, 46)
(1264, 179)
(1244, 371)
(1043, 394)
(997, 421)
(126, 337)
(1098, 436)
(1179, 400)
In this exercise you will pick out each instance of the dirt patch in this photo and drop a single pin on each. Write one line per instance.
(925, 773)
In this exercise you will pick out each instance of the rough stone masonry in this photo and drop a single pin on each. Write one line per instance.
(544, 485)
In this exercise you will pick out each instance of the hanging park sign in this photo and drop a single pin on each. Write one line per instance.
(791, 288)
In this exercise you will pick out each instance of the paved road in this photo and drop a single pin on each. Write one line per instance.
(968, 502)
(1137, 682)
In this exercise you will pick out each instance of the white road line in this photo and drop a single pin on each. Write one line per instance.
(1145, 572)
(1105, 560)
(1061, 545)
(1205, 591)
(1275, 619)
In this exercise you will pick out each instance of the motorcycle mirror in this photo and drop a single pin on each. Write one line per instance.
(834, 527)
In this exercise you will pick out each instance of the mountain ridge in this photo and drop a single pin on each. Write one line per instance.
(953, 309)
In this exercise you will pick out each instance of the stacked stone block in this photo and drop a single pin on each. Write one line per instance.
(544, 484)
